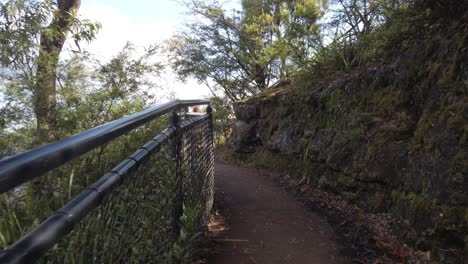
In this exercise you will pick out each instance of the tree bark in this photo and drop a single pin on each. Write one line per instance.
(51, 44)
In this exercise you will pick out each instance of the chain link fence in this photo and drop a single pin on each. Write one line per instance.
(151, 208)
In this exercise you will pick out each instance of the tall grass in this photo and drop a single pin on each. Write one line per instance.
(25, 207)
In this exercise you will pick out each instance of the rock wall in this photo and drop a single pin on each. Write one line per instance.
(392, 137)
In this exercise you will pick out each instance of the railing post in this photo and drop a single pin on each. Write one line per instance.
(174, 121)
(209, 111)
(210, 198)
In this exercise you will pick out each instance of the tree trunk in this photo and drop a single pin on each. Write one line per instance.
(51, 43)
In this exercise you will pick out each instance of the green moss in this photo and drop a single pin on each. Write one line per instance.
(425, 212)
(464, 138)
(385, 100)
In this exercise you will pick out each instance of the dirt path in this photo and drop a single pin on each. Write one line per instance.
(266, 225)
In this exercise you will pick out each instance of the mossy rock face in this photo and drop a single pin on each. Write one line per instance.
(445, 226)
(394, 135)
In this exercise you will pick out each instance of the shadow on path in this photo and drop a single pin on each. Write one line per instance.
(267, 225)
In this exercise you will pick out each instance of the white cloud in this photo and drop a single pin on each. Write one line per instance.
(118, 29)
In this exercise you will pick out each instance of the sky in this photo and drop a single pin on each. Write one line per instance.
(143, 22)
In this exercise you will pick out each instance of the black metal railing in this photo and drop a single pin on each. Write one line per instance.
(150, 208)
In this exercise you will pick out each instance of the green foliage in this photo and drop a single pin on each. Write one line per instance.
(92, 93)
(210, 50)
(21, 24)
(32, 36)
(222, 119)
(61, 184)
(248, 51)
(362, 33)
(134, 224)
(88, 93)
(191, 237)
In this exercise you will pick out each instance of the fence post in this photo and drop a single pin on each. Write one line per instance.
(209, 111)
(174, 121)
(210, 198)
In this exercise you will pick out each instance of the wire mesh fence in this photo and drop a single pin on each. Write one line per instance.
(24, 207)
(198, 159)
(151, 208)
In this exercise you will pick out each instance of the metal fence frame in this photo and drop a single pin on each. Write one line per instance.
(26, 166)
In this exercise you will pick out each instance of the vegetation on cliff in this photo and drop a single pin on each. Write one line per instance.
(380, 120)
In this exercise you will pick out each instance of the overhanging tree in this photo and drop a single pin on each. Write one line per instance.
(245, 52)
(33, 34)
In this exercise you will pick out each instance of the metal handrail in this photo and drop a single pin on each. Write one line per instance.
(23, 167)
(60, 223)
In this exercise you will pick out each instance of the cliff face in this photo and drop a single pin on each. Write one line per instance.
(392, 137)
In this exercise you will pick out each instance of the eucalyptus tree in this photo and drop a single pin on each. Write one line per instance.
(33, 34)
(243, 52)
